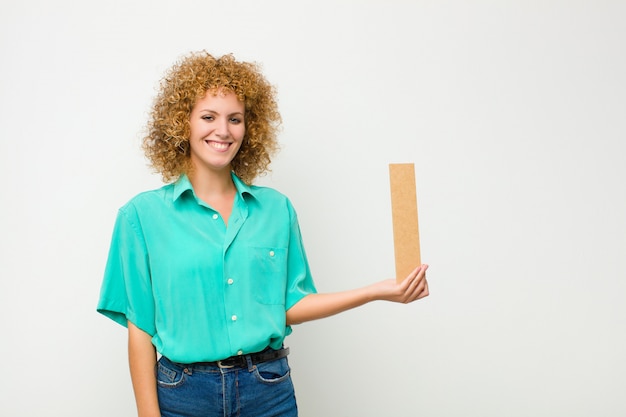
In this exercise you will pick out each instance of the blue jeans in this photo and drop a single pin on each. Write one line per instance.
(263, 390)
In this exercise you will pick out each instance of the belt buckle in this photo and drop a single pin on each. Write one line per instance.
(224, 366)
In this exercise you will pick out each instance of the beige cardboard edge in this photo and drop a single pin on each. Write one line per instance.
(406, 239)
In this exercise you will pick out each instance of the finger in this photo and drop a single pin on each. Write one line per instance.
(413, 281)
(423, 269)
(406, 284)
(413, 285)
(414, 273)
(420, 287)
(413, 291)
(421, 273)
(425, 291)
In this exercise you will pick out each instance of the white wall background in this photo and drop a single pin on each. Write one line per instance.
(513, 111)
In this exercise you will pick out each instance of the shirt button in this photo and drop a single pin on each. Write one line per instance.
(215, 216)
(230, 281)
(271, 253)
(240, 352)
(234, 317)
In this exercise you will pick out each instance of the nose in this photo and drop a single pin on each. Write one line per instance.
(221, 128)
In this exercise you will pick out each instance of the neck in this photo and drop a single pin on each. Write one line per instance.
(208, 186)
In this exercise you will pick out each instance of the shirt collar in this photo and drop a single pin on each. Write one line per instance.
(183, 184)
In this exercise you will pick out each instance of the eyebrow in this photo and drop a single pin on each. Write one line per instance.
(216, 112)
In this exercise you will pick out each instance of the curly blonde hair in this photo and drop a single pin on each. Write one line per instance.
(166, 144)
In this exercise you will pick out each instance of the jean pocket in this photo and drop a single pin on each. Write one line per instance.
(272, 372)
(168, 375)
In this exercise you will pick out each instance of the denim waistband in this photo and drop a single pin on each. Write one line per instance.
(239, 361)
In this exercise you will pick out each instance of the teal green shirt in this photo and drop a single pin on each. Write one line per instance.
(204, 291)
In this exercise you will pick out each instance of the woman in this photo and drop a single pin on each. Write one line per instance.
(210, 271)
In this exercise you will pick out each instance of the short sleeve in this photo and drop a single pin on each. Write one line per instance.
(299, 280)
(126, 292)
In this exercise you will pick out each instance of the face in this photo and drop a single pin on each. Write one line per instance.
(217, 130)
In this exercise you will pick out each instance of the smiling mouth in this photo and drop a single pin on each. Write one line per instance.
(219, 146)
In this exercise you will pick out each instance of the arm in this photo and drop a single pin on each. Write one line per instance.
(317, 306)
(142, 360)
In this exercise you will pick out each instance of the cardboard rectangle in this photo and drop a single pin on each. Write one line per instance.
(406, 239)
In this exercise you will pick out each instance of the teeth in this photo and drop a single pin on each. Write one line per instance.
(219, 145)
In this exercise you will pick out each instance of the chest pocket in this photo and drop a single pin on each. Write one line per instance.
(269, 274)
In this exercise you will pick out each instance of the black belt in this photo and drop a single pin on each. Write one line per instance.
(241, 361)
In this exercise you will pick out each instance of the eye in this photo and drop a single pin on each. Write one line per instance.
(235, 120)
(208, 118)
